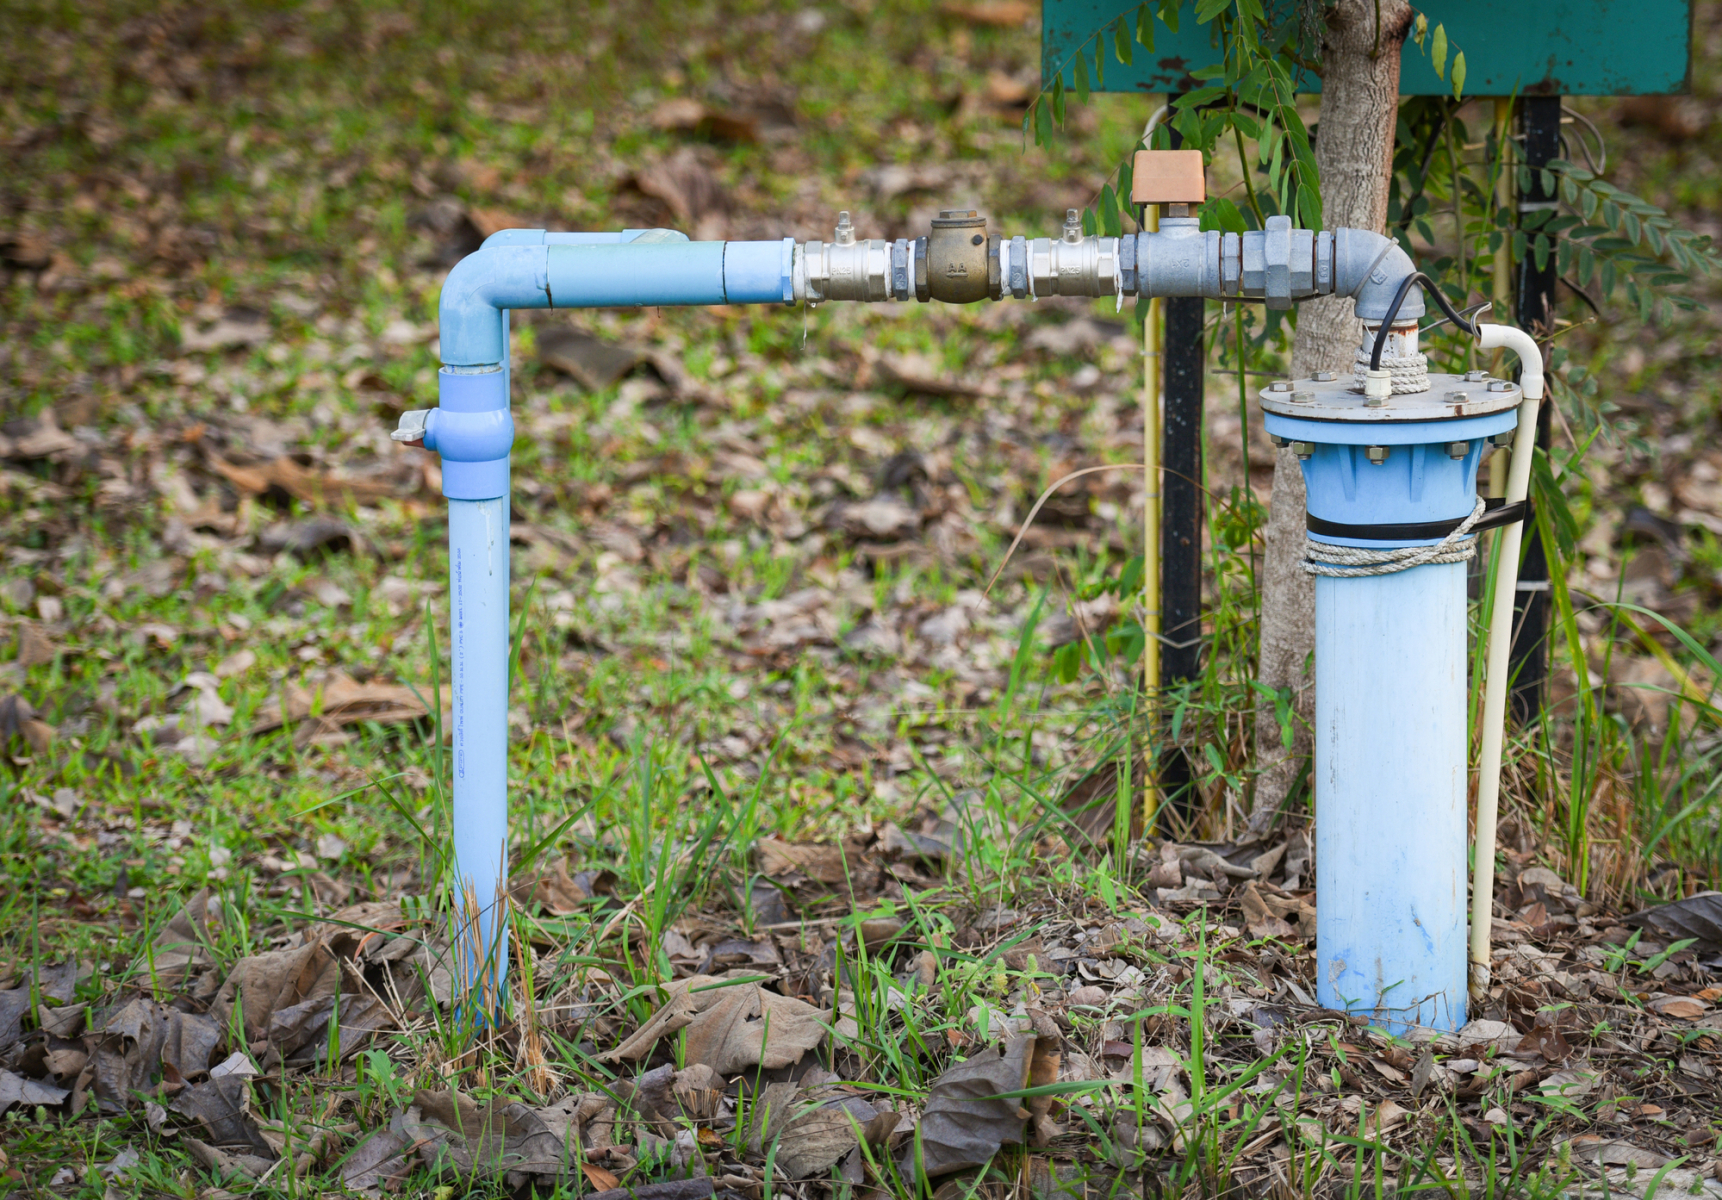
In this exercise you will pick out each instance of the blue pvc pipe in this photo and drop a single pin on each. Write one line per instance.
(1391, 747)
(478, 670)
(1389, 780)
(473, 432)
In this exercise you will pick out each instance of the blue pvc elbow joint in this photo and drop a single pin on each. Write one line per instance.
(473, 431)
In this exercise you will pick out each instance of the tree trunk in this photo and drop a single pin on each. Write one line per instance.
(1354, 154)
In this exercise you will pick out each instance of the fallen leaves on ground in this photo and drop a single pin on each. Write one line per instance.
(321, 711)
(732, 1025)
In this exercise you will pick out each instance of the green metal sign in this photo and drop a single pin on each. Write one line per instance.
(1528, 47)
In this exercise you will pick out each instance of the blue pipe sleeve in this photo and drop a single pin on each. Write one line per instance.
(759, 272)
(661, 273)
(473, 430)
(478, 671)
(1390, 787)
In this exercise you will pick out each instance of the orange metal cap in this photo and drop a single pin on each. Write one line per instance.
(1168, 177)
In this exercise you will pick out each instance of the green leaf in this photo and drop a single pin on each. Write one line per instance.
(1081, 80)
(1110, 225)
(1042, 122)
(1207, 10)
(1586, 265)
(1090, 226)
(1145, 27)
(1100, 62)
(1121, 41)
(1459, 75)
(1420, 30)
(1540, 251)
(1222, 214)
(1058, 100)
(1438, 52)
(1169, 13)
(1212, 754)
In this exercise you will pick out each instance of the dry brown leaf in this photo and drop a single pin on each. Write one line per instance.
(303, 484)
(553, 889)
(592, 362)
(379, 1160)
(598, 1177)
(1043, 1070)
(816, 861)
(812, 1128)
(685, 184)
(500, 1137)
(251, 1166)
(490, 221)
(182, 947)
(276, 982)
(727, 1026)
(35, 648)
(342, 701)
(143, 1041)
(1383, 1117)
(18, 719)
(748, 1027)
(964, 1124)
(1683, 1007)
(222, 1109)
(16, 1089)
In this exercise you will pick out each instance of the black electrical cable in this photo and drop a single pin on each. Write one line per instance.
(1430, 288)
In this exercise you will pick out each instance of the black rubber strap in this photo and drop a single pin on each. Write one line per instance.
(1496, 512)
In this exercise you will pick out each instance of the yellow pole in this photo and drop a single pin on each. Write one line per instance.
(1151, 342)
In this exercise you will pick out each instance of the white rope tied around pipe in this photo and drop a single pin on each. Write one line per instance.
(1346, 562)
(1410, 372)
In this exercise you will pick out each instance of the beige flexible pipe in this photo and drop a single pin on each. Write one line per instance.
(1500, 643)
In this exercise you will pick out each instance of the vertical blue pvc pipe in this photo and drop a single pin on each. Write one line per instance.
(473, 432)
(1390, 788)
(478, 597)
(1391, 770)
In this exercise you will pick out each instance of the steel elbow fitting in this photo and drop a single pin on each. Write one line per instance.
(1369, 267)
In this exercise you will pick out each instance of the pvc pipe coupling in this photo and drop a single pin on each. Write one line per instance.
(471, 428)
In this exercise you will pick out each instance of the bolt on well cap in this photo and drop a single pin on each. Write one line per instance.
(1168, 177)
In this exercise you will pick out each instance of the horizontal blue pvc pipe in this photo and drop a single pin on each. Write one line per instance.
(668, 273)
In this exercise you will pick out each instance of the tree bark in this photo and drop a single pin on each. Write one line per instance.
(1354, 155)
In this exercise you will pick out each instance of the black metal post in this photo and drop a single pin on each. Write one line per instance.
(1184, 361)
(1540, 131)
